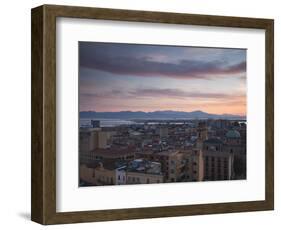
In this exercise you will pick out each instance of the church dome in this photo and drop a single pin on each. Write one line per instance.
(233, 134)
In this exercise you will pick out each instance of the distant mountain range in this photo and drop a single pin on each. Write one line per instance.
(166, 114)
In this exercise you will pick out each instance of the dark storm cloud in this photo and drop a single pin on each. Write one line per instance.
(124, 60)
(238, 68)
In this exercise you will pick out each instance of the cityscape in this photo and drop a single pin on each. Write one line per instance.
(161, 114)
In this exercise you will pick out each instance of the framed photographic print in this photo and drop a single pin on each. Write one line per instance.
(141, 114)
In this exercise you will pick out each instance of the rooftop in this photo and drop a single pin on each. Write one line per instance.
(213, 141)
(110, 164)
(144, 166)
(162, 153)
(115, 151)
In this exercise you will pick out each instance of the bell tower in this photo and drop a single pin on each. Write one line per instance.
(202, 134)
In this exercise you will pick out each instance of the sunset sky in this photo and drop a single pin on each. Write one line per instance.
(122, 77)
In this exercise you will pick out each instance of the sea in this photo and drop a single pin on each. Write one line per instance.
(86, 122)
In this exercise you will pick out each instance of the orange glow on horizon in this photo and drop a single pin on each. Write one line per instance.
(235, 105)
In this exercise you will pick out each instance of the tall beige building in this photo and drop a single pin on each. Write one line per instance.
(88, 139)
(237, 146)
(88, 142)
(102, 139)
(178, 165)
(172, 163)
(91, 139)
(202, 134)
(194, 168)
(94, 138)
(218, 163)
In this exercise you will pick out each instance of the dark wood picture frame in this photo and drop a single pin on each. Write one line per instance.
(43, 197)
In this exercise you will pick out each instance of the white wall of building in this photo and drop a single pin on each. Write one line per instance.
(120, 177)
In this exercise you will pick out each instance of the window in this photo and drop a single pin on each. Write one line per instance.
(225, 164)
(219, 163)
